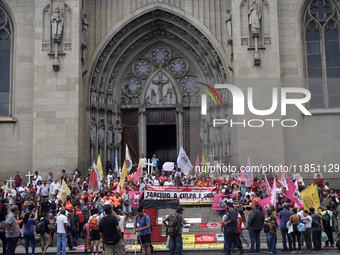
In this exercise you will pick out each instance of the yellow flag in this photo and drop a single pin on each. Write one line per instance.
(99, 165)
(123, 175)
(204, 163)
(63, 191)
(310, 197)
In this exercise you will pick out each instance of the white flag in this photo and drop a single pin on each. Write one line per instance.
(168, 166)
(183, 162)
(128, 160)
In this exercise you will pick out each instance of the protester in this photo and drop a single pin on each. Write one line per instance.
(12, 230)
(294, 220)
(94, 228)
(317, 227)
(255, 225)
(231, 230)
(307, 220)
(174, 224)
(284, 216)
(110, 233)
(270, 230)
(126, 198)
(62, 231)
(29, 230)
(144, 230)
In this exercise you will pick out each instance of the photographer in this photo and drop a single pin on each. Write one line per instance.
(29, 230)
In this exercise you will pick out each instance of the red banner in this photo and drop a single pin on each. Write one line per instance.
(185, 195)
(211, 225)
(205, 238)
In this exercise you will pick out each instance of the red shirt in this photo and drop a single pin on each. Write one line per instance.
(80, 214)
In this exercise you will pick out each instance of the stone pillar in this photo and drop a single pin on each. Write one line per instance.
(180, 127)
(142, 130)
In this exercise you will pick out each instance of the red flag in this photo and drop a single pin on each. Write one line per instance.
(93, 185)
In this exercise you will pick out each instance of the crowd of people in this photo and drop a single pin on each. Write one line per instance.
(99, 218)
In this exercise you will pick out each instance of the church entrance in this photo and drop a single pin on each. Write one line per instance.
(161, 140)
(161, 135)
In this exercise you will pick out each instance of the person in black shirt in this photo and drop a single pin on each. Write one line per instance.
(110, 233)
(45, 236)
(45, 206)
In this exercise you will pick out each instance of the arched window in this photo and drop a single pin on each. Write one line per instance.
(322, 30)
(5, 62)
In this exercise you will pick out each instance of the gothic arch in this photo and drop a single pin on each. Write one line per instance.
(151, 28)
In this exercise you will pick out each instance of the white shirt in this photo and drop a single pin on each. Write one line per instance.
(167, 183)
(61, 220)
(156, 182)
(316, 175)
(37, 178)
(44, 189)
(143, 162)
(54, 187)
(121, 223)
(251, 194)
(308, 222)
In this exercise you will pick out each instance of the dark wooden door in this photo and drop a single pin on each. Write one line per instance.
(192, 139)
(130, 135)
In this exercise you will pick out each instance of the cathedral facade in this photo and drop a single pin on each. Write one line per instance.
(80, 78)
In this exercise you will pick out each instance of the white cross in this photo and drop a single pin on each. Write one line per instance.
(149, 164)
(29, 175)
(10, 181)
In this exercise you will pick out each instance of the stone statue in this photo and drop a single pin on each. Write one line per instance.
(109, 103)
(228, 23)
(255, 18)
(153, 97)
(93, 99)
(93, 132)
(85, 27)
(57, 22)
(101, 100)
(109, 135)
(101, 134)
(204, 132)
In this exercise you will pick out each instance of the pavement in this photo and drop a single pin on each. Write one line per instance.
(207, 251)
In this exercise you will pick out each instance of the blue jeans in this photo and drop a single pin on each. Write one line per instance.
(29, 236)
(221, 213)
(176, 243)
(255, 238)
(271, 238)
(61, 240)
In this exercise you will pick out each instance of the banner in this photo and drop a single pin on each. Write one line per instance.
(265, 203)
(123, 175)
(185, 195)
(205, 238)
(294, 194)
(249, 174)
(220, 201)
(99, 165)
(128, 160)
(211, 225)
(268, 188)
(63, 191)
(310, 197)
(135, 197)
(138, 173)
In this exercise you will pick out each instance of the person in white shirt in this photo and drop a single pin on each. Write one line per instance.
(44, 189)
(62, 231)
(168, 182)
(36, 177)
(307, 220)
(249, 193)
(156, 181)
(143, 162)
(109, 177)
(55, 186)
(317, 174)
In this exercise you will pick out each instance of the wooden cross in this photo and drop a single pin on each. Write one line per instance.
(149, 164)
(29, 175)
(10, 181)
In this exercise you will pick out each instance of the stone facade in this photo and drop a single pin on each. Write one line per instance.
(64, 118)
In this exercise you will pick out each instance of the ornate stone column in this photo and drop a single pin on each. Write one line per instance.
(180, 127)
(142, 130)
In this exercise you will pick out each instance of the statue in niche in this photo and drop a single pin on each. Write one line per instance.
(173, 96)
(101, 133)
(153, 97)
(57, 22)
(93, 99)
(204, 131)
(93, 132)
(228, 24)
(109, 135)
(85, 27)
(255, 16)
(110, 104)
(101, 102)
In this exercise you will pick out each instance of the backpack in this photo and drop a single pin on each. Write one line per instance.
(301, 227)
(93, 223)
(326, 219)
(53, 205)
(40, 229)
(174, 225)
(266, 225)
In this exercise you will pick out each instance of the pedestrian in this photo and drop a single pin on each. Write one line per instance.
(284, 216)
(317, 227)
(45, 239)
(126, 198)
(62, 231)
(307, 220)
(327, 216)
(174, 224)
(29, 230)
(110, 233)
(231, 230)
(94, 228)
(294, 220)
(144, 230)
(255, 225)
(239, 230)
(269, 228)
(12, 230)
